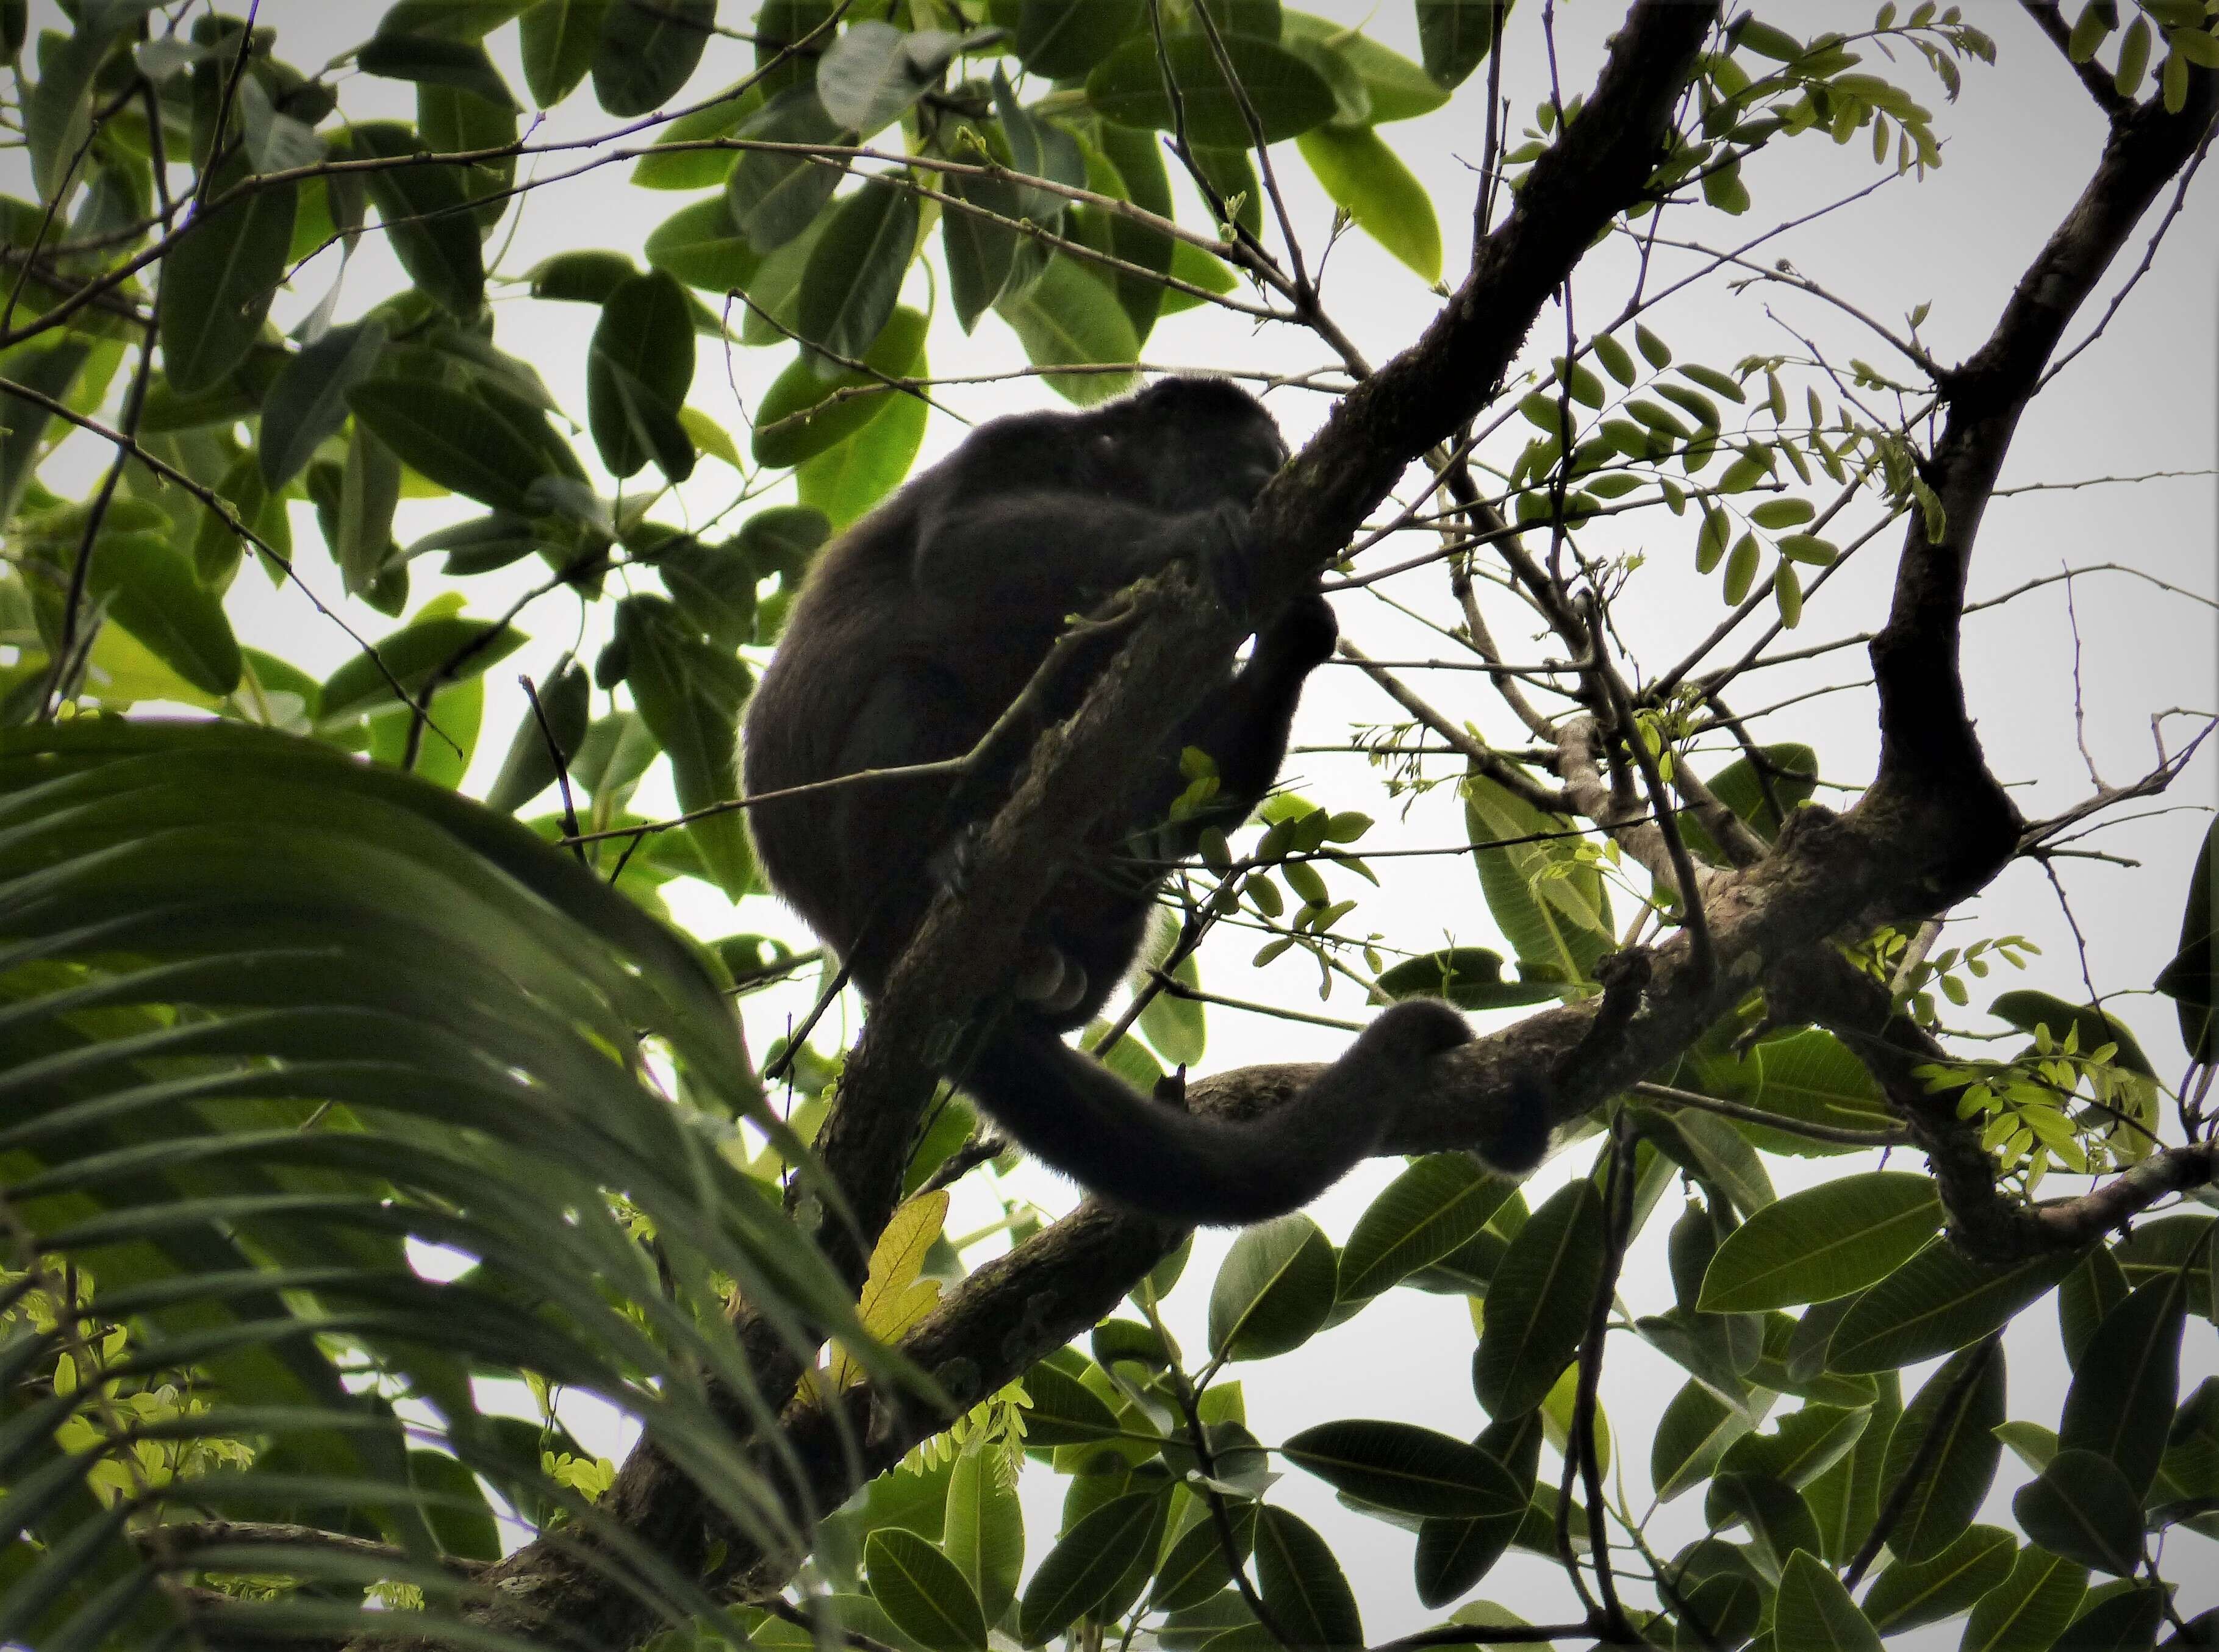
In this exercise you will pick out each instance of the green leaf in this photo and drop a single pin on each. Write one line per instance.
(854, 275)
(843, 482)
(369, 490)
(462, 65)
(2187, 978)
(1936, 1302)
(1195, 1569)
(1802, 1446)
(773, 197)
(1691, 1437)
(483, 446)
(980, 252)
(1062, 39)
(1397, 89)
(1381, 195)
(669, 166)
(1089, 1562)
(1302, 1584)
(1455, 37)
(873, 72)
(920, 1588)
(646, 51)
(1274, 1290)
(1425, 1213)
(149, 590)
(1825, 1242)
(1965, 1401)
(1552, 909)
(1288, 94)
(1471, 977)
(985, 1532)
(1175, 1027)
(1775, 1512)
(529, 767)
(2027, 1009)
(698, 245)
(2027, 1610)
(1538, 1302)
(1070, 317)
(424, 211)
(1064, 1411)
(803, 415)
(444, 646)
(1814, 1613)
(218, 282)
(637, 371)
(690, 693)
(1413, 1470)
(308, 402)
(1911, 1593)
(2125, 1621)
(2081, 1506)
(2121, 1402)
(558, 38)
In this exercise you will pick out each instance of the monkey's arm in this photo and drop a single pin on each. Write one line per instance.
(1046, 554)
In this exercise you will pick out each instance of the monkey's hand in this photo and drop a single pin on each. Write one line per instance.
(1304, 636)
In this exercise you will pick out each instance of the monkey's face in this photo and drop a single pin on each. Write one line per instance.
(1189, 458)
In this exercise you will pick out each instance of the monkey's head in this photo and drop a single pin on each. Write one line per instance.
(1181, 444)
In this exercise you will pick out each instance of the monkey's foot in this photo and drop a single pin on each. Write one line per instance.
(1048, 980)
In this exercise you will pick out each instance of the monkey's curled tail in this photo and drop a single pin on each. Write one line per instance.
(1077, 1116)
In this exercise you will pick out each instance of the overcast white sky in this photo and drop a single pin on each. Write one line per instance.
(2018, 146)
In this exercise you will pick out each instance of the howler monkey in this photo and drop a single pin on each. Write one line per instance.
(915, 632)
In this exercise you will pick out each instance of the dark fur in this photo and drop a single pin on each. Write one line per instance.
(915, 631)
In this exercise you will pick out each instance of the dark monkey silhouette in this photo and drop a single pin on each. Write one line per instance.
(915, 632)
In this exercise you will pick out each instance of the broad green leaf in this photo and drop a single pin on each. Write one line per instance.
(1803, 1445)
(307, 402)
(1691, 1437)
(1425, 1213)
(2081, 1506)
(714, 586)
(1089, 1562)
(558, 38)
(370, 489)
(1363, 174)
(1274, 1291)
(920, 1588)
(529, 767)
(980, 252)
(217, 546)
(2027, 1009)
(1397, 88)
(1814, 1613)
(149, 590)
(666, 167)
(1064, 1411)
(803, 415)
(1945, 1446)
(698, 245)
(2087, 1295)
(1471, 977)
(2126, 1620)
(1302, 1583)
(1413, 1470)
(1824, 1242)
(1552, 910)
(1195, 1569)
(1936, 1302)
(1070, 317)
(1176, 1028)
(218, 279)
(844, 482)
(462, 65)
(2026, 1611)
(50, 365)
(1455, 37)
(1061, 38)
(873, 72)
(1913, 1592)
(772, 196)
(637, 371)
(421, 209)
(444, 646)
(2121, 1402)
(986, 1531)
(1538, 1302)
(855, 270)
(691, 693)
(646, 51)
(1289, 96)
(479, 446)
(1717, 1584)
(1775, 1512)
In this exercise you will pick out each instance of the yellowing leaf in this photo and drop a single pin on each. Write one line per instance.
(893, 1297)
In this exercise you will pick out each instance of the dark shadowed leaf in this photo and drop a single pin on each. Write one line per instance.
(2081, 1506)
(1090, 1561)
(1937, 1302)
(558, 38)
(1964, 1401)
(1814, 1613)
(1302, 1584)
(1413, 1470)
(2026, 1611)
(2127, 1619)
(803, 415)
(646, 51)
(482, 446)
(1070, 317)
(1538, 1302)
(309, 400)
(426, 213)
(1425, 1213)
(1064, 37)
(691, 692)
(1455, 36)
(771, 196)
(854, 275)
(1911, 1593)
(1274, 1291)
(218, 279)
(1824, 1242)
(2121, 1401)
(1288, 94)
(697, 244)
(637, 371)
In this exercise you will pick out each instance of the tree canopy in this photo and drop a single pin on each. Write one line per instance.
(396, 1071)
